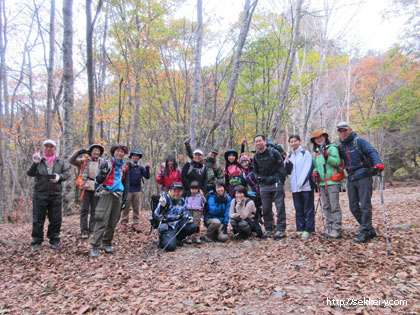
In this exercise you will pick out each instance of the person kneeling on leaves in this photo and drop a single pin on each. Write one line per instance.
(216, 217)
(241, 214)
(112, 189)
(175, 221)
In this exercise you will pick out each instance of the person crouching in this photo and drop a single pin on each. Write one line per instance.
(175, 221)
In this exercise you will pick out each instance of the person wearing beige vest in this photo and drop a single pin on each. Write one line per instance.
(241, 214)
(89, 169)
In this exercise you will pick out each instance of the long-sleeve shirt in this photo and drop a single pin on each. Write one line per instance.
(245, 208)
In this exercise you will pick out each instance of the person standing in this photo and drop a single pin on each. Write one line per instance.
(50, 172)
(169, 174)
(194, 170)
(136, 174)
(86, 181)
(300, 162)
(214, 170)
(232, 171)
(112, 181)
(329, 176)
(270, 174)
(362, 162)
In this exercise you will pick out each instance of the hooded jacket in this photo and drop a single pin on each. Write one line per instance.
(215, 209)
(331, 165)
(302, 170)
(166, 181)
(353, 159)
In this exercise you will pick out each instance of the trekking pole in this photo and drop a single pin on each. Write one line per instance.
(163, 249)
(153, 240)
(381, 189)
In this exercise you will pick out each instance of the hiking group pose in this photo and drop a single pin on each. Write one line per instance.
(241, 193)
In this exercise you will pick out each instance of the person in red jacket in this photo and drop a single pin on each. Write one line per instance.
(170, 173)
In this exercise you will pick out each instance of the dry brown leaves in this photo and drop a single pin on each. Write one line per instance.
(246, 277)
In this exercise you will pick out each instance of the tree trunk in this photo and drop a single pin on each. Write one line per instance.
(289, 70)
(248, 12)
(68, 195)
(50, 70)
(197, 71)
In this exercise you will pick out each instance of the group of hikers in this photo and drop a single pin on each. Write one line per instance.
(241, 193)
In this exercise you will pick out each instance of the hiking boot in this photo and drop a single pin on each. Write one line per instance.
(85, 236)
(334, 234)
(305, 235)
(278, 235)
(207, 239)
(107, 249)
(197, 240)
(35, 248)
(55, 246)
(188, 240)
(266, 234)
(122, 229)
(94, 253)
(136, 229)
(361, 238)
(372, 233)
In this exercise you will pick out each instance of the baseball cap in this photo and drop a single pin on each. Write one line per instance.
(176, 185)
(49, 141)
(198, 151)
(343, 125)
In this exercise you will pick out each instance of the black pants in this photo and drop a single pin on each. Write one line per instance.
(167, 237)
(46, 205)
(89, 202)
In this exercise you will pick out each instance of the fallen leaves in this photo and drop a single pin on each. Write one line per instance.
(259, 276)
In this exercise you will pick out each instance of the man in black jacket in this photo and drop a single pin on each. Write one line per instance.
(270, 173)
(49, 172)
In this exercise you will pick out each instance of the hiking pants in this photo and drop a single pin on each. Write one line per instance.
(360, 194)
(331, 208)
(305, 212)
(134, 200)
(214, 230)
(46, 205)
(89, 203)
(107, 215)
(168, 239)
(244, 227)
(269, 194)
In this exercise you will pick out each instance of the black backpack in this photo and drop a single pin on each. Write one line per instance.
(277, 147)
(154, 201)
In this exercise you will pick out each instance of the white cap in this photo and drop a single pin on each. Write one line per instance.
(49, 141)
(198, 151)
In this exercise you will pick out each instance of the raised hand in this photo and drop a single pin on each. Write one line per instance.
(36, 157)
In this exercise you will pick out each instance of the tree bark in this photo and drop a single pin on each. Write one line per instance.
(50, 70)
(197, 71)
(248, 12)
(68, 104)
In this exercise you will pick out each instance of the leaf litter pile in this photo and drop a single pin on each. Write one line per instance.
(238, 277)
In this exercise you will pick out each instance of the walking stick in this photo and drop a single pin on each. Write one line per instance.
(163, 249)
(381, 189)
(153, 240)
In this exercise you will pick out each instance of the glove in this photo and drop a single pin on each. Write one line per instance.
(324, 151)
(190, 219)
(315, 176)
(124, 204)
(379, 166)
(82, 151)
(162, 200)
(104, 168)
(187, 141)
(224, 229)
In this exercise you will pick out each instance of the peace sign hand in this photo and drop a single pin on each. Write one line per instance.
(36, 158)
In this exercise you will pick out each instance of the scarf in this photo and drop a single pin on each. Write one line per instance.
(50, 159)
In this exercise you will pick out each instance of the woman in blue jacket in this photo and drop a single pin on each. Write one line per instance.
(216, 216)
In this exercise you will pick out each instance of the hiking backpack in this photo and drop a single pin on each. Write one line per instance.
(366, 162)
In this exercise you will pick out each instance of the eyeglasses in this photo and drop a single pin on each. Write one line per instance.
(341, 130)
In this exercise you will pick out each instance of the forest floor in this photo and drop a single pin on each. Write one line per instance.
(238, 277)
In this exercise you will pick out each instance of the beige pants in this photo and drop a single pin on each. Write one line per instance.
(134, 200)
(214, 230)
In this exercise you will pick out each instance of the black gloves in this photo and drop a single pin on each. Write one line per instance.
(82, 151)
(224, 229)
(124, 204)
